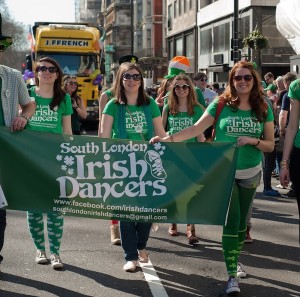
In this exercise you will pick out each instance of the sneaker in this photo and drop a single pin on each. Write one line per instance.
(289, 194)
(56, 263)
(248, 238)
(143, 256)
(130, 266)
(280, 186)
(241, 273)
(40, 257)
(232, 285)
(271, 193)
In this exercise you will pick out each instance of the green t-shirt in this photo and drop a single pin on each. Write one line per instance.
(182, 120)
(294, 93)
(233, 124)
(134, 117)
(2, 122)
(47, 120)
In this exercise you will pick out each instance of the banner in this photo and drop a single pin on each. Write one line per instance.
(117, 179)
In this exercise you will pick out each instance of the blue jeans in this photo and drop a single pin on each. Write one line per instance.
(2, 229)
(134, 237)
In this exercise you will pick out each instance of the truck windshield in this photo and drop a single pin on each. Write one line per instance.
(79, 65)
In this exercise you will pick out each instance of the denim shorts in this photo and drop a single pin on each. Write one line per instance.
(249, 183)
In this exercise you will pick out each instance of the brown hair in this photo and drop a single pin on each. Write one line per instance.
(256, 98)
(58, 92)
(173, 100)
(143, 97)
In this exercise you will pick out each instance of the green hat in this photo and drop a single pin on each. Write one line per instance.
(129, 58)
(179, 64)
(271, 87)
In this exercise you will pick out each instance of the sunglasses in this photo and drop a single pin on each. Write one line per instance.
(5, 42)
(51, 69)
(182, 87)
(247, 77)
(203, 79)
(72, 83)
(136, 77)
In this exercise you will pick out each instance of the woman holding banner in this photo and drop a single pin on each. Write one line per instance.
(181, 111)
(53, 115)
(247, 120)
(132, 115)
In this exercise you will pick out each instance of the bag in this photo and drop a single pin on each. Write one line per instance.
(220, 106)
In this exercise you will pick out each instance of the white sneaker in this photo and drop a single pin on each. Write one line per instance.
(40, 257)
(56, 263)
(130, 266)
(241, 273)
(232, 285)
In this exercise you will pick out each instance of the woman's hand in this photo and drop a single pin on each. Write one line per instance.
(243, 140)
(156, 139)
(160, 100)
(284, 176)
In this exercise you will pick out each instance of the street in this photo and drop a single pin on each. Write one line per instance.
(93, 267)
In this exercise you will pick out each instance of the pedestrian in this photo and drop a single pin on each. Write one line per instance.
(290, 163)
(104, 98)
(70, 85)
(13, 94)
(269, 78)
(56, 107)
(246, 109)
(132, 115)
(182, 111)
(180, 65)
(163, 90)
(200, 81)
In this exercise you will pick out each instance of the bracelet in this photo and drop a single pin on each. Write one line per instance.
(285, 164)
(258, 142)
(25, 117)
(171, 138)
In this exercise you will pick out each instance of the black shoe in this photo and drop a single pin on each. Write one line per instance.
(289, 194)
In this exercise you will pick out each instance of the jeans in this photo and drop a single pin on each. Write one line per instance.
(134, 237)
(2, 229)
(269, 166)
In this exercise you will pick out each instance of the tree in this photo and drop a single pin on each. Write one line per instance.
(15, 54)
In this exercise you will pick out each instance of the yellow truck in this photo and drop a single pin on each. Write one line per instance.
(76, 47)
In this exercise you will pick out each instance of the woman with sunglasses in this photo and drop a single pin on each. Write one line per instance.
(70, 85)
(247, 120)
(132, 115)
(52, 115)
(182, 111)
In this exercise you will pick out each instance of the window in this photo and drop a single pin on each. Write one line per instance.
(179, 7)
(184, 6)
(189, 49)
(175, 9)
(221, 37)
(206, 41)
(191, 4)
(178, 47)
(149, 39)
(171, 49)
(149, 10)
(170, 17)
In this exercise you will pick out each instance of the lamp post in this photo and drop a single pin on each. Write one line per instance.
(131, 26)
(236, 31)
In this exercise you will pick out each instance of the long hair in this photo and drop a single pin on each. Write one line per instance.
(163, 86)
(143, 97)
(173, 100)
(256, 98)
(65, 80)
(58, 92)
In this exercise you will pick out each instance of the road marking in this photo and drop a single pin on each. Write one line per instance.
(153, 280)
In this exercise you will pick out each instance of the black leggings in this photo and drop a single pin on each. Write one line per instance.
(295, 177)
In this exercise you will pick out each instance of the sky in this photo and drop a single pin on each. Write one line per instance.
(30, 11)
